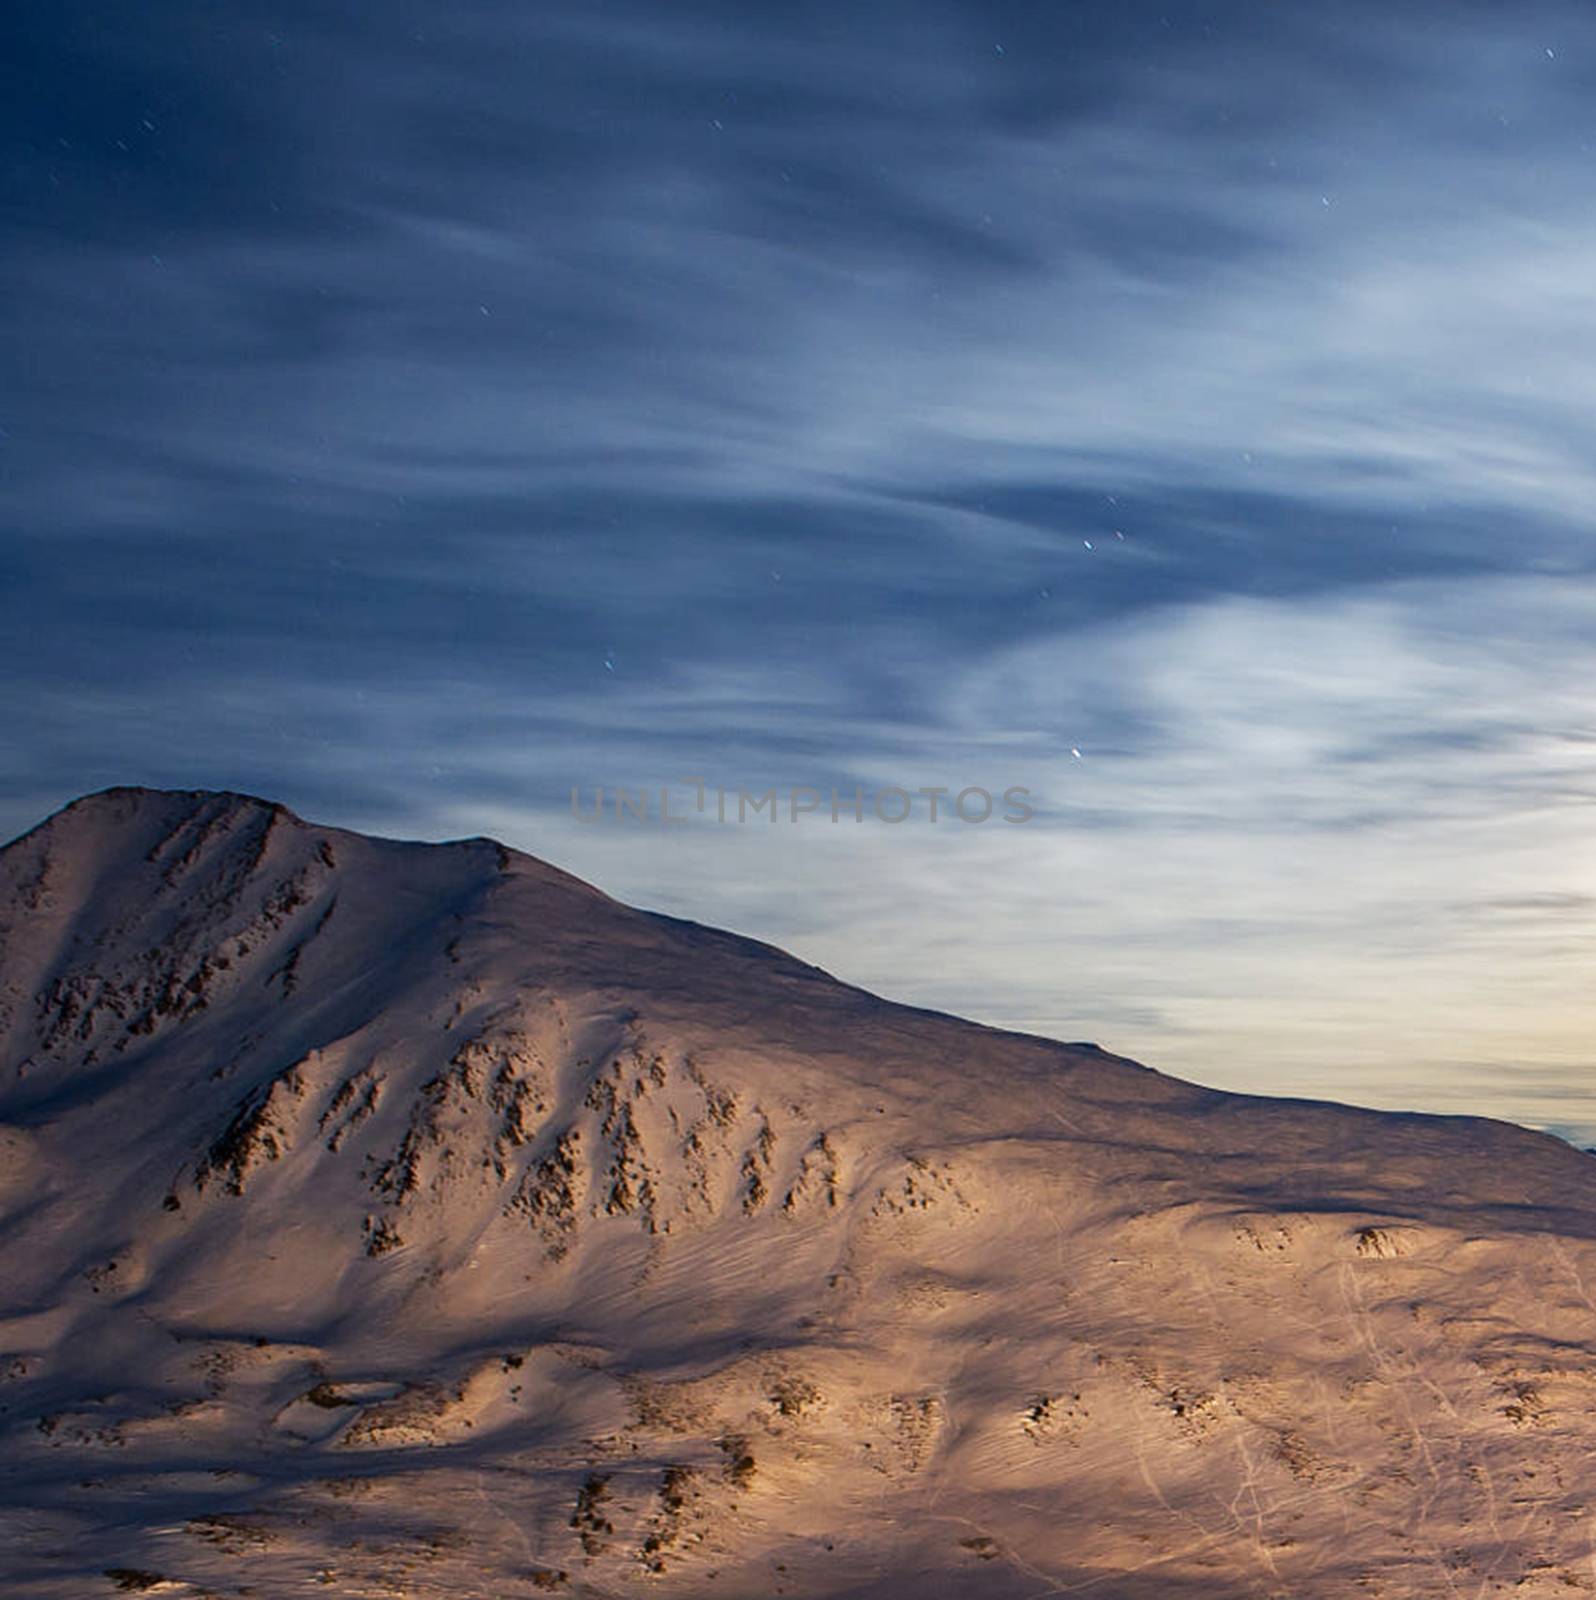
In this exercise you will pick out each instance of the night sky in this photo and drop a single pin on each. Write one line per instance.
(409, 411)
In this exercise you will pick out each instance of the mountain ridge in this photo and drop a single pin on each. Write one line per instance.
(322, 1149)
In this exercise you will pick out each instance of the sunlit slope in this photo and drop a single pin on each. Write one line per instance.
(390, 1219)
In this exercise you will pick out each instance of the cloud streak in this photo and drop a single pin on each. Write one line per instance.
(414, 415)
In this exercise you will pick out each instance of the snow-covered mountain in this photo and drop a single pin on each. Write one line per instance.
(415, 1220)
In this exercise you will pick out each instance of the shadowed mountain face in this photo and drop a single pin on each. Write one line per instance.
(391, 1219)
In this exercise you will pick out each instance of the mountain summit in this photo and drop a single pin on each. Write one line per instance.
(401, 1219)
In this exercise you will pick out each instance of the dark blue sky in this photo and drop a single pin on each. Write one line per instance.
(411, 411)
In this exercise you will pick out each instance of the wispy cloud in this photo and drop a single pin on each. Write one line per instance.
(414, 415)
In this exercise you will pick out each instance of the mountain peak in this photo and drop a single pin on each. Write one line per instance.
(120, 804)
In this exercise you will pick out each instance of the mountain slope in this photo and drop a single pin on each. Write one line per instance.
(391, 1219)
